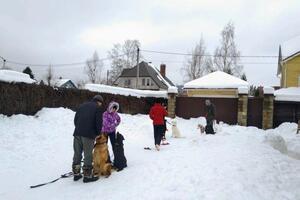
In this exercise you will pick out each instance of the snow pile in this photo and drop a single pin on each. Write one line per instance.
(268, 90)
(234, 164)
(173, 90)
(13, 76)
(217, 79)
(288, 94)
(277, 142)
(288, 132)
(243, 90)
(125, 91)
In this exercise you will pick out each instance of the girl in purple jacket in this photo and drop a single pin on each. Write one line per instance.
(111, 120)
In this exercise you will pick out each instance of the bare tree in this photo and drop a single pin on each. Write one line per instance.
(81, 83)
(94, 68)
(199, 63)
(49, 75)
(122, 56)
(226, 57)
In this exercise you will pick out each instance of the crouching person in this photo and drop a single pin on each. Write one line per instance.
(88, 124)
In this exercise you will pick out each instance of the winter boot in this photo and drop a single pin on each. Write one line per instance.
(89, 176)
(76, 172)
(157, 147)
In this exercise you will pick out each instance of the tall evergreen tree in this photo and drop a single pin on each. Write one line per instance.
(28, 71)
(244, 77)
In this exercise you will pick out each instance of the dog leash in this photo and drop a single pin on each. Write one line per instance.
(66, 175)
(168, 122)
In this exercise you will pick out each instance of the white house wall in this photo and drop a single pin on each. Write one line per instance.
(121, 82)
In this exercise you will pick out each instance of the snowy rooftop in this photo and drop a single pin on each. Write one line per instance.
(60, 82)
(125, 91)
(290, 47)
(217, 79)
(13, 76)
(288, 94)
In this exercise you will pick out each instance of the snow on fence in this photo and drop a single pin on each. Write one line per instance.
(15, 77)
(126, 91)
(288, 94)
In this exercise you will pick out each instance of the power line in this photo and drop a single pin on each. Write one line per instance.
(208, 55)
(142, 50)
(242, 63)
(56, 65)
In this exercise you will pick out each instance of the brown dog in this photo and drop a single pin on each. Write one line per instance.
(100, 157)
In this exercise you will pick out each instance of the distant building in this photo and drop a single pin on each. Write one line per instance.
(150, 78)
(289, 63)
(64, 83)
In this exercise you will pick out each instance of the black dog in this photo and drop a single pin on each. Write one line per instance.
(120, 161)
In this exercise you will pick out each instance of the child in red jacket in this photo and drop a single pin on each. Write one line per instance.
(157, 114)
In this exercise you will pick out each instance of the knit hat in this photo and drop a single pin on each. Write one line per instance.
(98, 98)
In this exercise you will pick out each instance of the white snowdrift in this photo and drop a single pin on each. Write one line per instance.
(13, 76)
(234, 164)
(276, 141)
(125, 91)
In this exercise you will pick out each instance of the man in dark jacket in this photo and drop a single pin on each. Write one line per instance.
(88, 125)
(210, 117)
(157, 114)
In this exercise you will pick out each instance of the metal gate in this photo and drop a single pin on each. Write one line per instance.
(286, 112)
(255, 109)
(192, 107)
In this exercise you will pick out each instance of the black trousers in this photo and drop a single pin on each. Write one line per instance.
(112, 138)
(209, 129)
(158, 133)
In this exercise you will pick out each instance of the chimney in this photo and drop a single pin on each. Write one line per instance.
(163, 70)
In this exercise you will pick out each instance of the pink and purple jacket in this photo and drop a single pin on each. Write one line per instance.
(111, 119)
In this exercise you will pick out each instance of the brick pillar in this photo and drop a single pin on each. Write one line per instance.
(268, 108)
(242, 106)
(172, 93)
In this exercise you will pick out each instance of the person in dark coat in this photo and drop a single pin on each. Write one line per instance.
(210, 117)
(157, 114)
(88, 125)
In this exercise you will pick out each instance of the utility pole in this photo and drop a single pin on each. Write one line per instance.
(138, 67)
(107, 74)
(3, 67)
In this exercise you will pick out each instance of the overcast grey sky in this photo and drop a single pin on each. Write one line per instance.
(68, 31)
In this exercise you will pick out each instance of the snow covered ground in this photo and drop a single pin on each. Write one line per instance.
(236, 163)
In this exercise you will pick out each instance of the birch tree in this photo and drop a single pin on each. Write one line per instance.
(226, 56)
(199, 63)
(94, 68)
